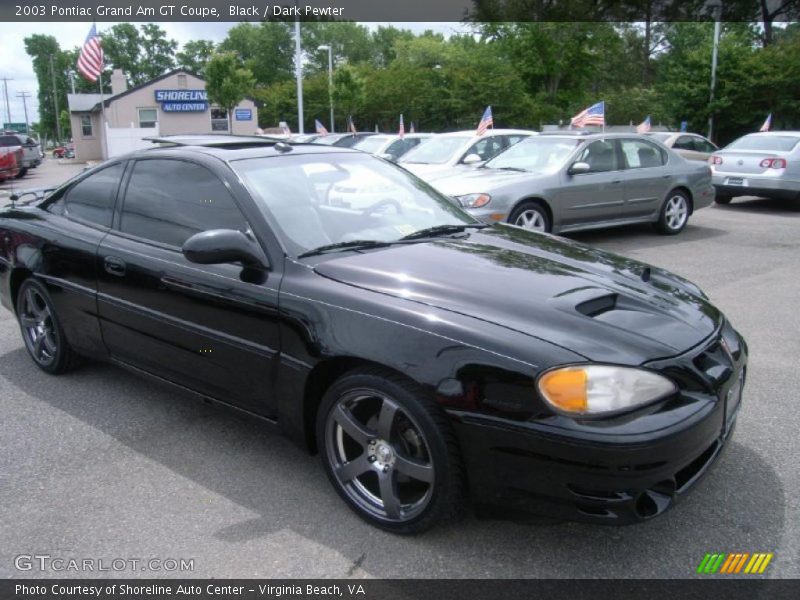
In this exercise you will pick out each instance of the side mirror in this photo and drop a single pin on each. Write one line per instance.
(386, 156)
(471, 159)
(219, 246)
(579, 168)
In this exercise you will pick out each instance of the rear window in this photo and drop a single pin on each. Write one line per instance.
(770, 143)
(9, 140)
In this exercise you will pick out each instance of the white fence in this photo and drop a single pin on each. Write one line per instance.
(127, 139)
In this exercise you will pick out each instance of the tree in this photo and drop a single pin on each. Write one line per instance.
(157, 52)
(195, 55)
(352, 43)
(51, 65)
(266, 49)
(227, 82)
(141, 54)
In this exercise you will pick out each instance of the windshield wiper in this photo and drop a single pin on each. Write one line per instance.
(441, 230)
(349, 245)
(518, 169)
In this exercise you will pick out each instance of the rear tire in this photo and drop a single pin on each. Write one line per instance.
(674, 213)
(389, 451)
(720, 199)
(41, 330)
(531, 215)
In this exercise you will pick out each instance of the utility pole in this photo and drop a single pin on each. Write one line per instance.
(716, 8)
(298, 71)
(55, 101)
(25, 96)
(5, 90)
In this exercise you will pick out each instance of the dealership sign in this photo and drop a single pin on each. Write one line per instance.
(243, 114)
(182, 100)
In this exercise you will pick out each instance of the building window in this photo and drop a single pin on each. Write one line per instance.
(182, 81)
(148, 117)
(86, 125)
(219, 119)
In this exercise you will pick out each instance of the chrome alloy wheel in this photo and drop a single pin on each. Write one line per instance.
(39, 332)
(531, 219)
(379, 456)
(676, 212)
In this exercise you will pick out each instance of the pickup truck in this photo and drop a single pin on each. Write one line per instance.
(10, 161)
(31, 155)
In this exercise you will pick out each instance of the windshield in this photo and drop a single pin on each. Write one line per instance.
(372, 143)
(315, 200)
(770, 143)
(435, 151)
(540, 154)
(327, 140)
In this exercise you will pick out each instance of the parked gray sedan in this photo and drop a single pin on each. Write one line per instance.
(559, 183)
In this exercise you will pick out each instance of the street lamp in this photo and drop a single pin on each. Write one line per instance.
(716, 12)
(329, 48)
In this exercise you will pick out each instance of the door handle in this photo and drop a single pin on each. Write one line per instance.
(616, 182)
(114, 266)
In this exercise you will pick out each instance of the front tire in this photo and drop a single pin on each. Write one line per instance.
(41, 330)
(674, 214)
(389, 451)
(531, 215)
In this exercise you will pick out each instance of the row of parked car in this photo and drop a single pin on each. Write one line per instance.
(18, 154)
(564, 181)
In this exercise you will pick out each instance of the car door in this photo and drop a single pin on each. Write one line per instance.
(647, 178)
(78, 217)
(596, 195)
(210, 328)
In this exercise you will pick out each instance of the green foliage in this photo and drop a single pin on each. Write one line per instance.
(266, 49)
(142, 54)
(195, 55)
(45, 53)
(227, 82)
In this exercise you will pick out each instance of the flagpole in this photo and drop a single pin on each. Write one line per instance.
(103, 111)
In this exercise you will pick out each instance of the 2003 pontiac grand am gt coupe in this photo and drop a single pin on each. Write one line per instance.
(424, 355)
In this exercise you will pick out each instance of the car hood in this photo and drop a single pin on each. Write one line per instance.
(425, 170)
(477, 180)
(602, 306)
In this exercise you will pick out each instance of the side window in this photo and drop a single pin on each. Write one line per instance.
(168, 201)
(702, 145)
(92, 198)
(684, 142)
(641, 155)
(513, 139)
(486, 148)
(600, 156)
(398, 148)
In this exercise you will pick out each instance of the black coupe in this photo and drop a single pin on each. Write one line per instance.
(425, 356)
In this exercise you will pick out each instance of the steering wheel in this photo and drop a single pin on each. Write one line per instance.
(382, 205)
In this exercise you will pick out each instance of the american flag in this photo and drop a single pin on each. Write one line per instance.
(351, 127)
(644, 126)
(767, 124)
(594, 115)
(411, 127)
(486, 121)
(90, 60)
(320, 127)
(402, 132)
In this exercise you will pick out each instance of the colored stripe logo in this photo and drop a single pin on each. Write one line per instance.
(735, 563)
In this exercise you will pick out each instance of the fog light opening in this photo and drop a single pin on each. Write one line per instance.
(656, 500)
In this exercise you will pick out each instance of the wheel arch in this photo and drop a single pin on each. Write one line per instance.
(320, 378)
(539, 200)
(685, 189)
(17, 276)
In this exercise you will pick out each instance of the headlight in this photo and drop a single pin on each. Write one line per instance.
(599, 389)
(474, 200)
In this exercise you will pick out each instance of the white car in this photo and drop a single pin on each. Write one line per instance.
(391, 147)
(759, 164)
(448, 150)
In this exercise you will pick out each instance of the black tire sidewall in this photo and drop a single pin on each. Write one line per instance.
(408, 400)
(663, 225)
(531, 205)
(62, 350)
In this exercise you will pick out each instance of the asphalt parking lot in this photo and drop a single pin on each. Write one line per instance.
(102, 464)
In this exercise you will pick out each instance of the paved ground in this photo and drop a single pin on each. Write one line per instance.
(50, 173)
(101, 464)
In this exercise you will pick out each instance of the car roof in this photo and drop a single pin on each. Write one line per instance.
(471, 132)
(773, 133)
(592, 135)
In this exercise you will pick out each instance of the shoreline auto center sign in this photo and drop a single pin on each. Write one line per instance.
(182, 100)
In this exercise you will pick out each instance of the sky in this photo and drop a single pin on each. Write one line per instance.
(16, 64)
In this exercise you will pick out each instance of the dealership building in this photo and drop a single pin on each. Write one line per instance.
(174, 103)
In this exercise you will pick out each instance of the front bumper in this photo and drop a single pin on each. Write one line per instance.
(755, 185)
(608, 474)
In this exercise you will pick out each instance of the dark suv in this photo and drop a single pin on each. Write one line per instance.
(31, 156)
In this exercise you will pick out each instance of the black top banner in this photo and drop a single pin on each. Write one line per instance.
(397, 10)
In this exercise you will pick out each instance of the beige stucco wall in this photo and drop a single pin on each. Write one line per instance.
(124, 112)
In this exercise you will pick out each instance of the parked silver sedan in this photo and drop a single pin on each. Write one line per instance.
(690, 146)
(759, 164)
(559, 183)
